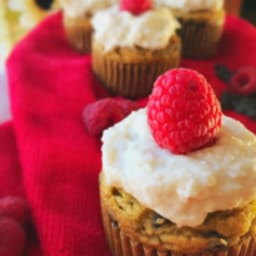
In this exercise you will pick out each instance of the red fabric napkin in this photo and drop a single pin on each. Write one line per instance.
(50, 84)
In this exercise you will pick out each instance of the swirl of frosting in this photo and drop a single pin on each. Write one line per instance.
(181, 188)
(151, 30)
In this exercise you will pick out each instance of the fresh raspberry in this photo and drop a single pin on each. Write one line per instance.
(127, 106)
(15, 208)
(12, 238)
(102, 114)
(243, 81)
(183, 111)
(135, 7)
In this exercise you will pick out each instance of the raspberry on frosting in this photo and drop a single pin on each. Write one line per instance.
(136, 7)
(183, 111)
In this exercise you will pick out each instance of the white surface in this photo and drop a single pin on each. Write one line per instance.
(5, 114)
(181, 188)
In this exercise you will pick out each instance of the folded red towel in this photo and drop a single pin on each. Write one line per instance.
(50, 84)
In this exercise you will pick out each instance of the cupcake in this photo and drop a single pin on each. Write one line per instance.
(77, 21)
(202, 25)
(178, 176)
(132, 45)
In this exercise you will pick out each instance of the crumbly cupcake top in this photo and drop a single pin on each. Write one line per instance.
(181, 188)
(78, 8)
(180, 156)
(150, 30)
(191, 5)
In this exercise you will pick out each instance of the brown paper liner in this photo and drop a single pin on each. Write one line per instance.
(123, 245)
(200, 37)
(79, 33)
(132, 79)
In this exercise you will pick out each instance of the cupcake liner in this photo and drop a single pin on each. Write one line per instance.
(131, 80)
(79, 34)
(200, 39)
(123, 245)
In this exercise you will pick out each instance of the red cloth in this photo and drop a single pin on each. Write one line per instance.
(50, 84)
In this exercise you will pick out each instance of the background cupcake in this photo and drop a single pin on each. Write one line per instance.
(132, 45)
(173, 186)
(201, 22)
(77, 21)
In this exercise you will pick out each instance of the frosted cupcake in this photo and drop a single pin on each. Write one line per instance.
(77, 21)
(131, 47)
(179, 177)
(202, 24)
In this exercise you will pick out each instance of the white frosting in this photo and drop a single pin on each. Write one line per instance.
(191, 5)
(78, 8)
(181, 188)
(151, 30)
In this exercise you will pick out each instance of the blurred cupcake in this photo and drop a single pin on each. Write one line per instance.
(173, 180)
(132, 47)
(202, 25)
(77, 21)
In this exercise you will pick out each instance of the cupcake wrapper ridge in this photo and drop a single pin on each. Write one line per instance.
(131, 80)
(79, 34)
(200, 39)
